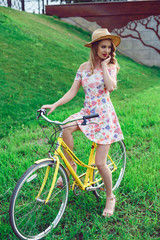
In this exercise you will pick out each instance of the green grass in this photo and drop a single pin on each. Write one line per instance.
(39, 59)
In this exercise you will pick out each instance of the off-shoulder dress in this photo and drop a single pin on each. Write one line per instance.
(107, 129)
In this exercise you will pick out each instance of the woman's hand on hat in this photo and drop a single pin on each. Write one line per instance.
(52, 107)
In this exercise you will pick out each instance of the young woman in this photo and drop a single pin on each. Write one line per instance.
(98, 78)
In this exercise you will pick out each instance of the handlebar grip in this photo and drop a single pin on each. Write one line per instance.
(41, 111)
(87, 117)
(91, 116)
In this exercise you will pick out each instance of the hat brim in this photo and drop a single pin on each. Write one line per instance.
(115, 39)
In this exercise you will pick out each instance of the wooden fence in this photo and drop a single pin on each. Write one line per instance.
(37, 6)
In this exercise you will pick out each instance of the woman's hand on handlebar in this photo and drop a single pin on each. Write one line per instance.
(52, 107)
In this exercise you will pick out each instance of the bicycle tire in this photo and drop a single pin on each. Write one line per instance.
(117, 152)
(31, 218)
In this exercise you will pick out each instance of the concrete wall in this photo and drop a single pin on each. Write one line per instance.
(141, 43)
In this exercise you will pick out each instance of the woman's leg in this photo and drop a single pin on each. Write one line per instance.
(100, 160)
(68, 139)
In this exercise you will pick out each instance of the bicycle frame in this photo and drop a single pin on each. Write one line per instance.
(90, 167)
(88, 182)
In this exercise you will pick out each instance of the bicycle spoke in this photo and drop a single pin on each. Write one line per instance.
(28, 220)
(55, 194)
(23, 217)
(35, 221)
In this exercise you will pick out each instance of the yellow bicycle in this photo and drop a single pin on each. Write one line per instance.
(38, 203)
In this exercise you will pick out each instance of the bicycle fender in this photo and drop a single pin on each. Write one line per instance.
(44, 160)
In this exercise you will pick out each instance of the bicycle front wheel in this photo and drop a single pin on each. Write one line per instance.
(30, 217)
(116, 161)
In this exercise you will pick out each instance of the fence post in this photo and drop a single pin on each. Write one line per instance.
(9, 3)
(23, 8)
(39, 6)
(42, 6)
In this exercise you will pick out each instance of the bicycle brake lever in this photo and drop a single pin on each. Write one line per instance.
(84, 121)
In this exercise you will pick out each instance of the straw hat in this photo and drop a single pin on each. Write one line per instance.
(102, 34)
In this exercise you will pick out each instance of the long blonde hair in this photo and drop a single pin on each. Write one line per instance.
(93, 55)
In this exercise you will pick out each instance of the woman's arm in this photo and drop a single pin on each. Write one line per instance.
(109, 81)
(66, 98)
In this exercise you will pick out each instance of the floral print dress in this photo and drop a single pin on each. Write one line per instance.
(106, 128)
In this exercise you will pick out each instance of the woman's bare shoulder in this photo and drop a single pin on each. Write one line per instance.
(84, 66)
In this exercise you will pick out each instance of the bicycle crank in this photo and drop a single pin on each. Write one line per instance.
(77, 191)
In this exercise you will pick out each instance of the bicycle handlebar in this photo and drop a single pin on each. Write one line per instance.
(91, 116)
(42, 113)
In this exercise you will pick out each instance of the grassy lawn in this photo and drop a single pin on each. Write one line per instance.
(39, 59)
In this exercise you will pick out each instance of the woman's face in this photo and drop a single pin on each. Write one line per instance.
(104, 49)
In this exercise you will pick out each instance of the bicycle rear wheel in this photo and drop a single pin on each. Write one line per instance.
(31, 218)
(117, 154)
